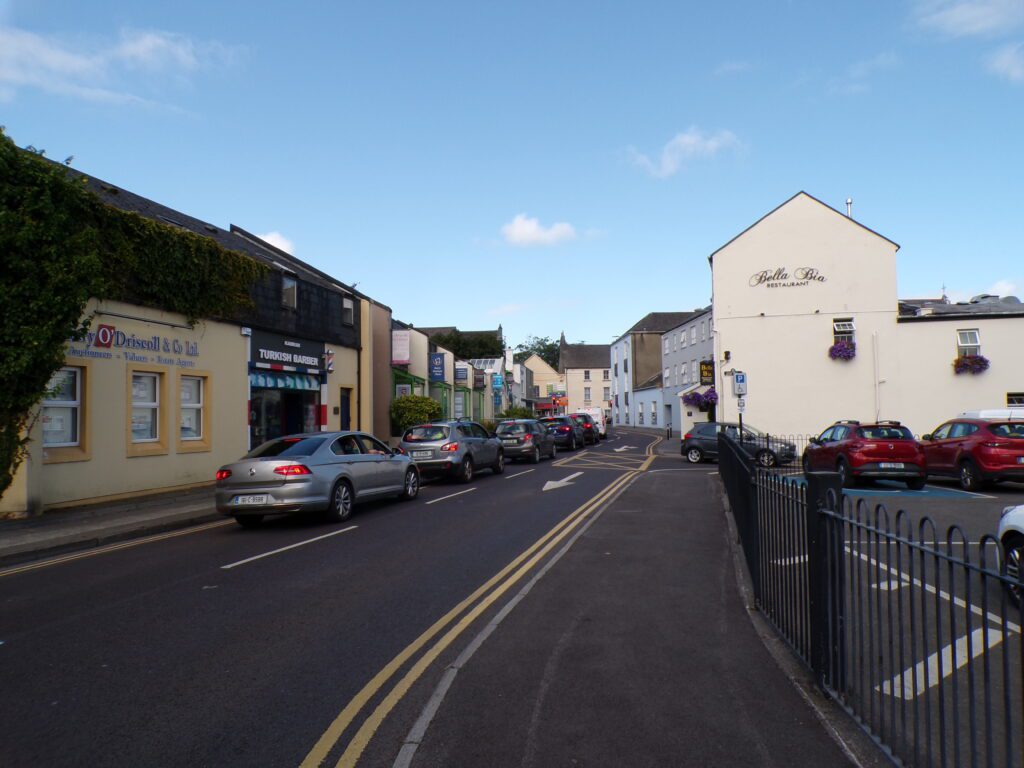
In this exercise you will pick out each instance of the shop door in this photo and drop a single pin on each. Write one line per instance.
(345, 408)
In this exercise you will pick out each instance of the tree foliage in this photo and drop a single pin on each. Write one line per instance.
(516, 412)
(467, 346)
(410, 410)
(542, 346)
(61, 245)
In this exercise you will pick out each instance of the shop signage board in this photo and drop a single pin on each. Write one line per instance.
(781, 277)
(273, 349)
(401, 390)
(400, 345)
(707, 372)
(436, 366)
(461, 373)
(478, 379)
(497, 381)
(108, 342)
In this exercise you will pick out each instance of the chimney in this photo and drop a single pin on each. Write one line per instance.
(849, 207)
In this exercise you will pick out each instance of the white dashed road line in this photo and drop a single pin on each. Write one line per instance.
(290, 546)
(451, 496)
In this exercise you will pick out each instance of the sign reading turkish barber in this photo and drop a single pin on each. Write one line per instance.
(436, 366)
(272, 349)
(781, 278)
(707, 372)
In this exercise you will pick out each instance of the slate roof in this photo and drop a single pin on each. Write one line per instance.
(583, 356)
(984, 305)
(659, 322)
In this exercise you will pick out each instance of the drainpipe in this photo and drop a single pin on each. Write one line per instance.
(874, 349)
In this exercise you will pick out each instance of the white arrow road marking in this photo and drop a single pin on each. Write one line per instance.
(623, 448)
(560, 483)
(915, 680)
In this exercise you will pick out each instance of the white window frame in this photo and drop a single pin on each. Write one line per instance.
(965, 343)
(586, 374)
(197, 407)
(607, 392)
(586, 394)
(604, 375)
(348, 311)
(693, 335)
(703, 330)
(682, 339)
(693, 371)
(666, 345)
(844, 330)
(654, 413)
(76, 404)
(153, 405)
(289, 292)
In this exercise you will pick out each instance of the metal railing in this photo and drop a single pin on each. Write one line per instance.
(912, 632)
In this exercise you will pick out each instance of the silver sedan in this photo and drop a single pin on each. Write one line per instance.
(315, 472)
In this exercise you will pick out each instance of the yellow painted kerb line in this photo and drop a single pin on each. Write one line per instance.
(535, 553)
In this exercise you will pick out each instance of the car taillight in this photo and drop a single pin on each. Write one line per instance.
(563, 429)
(223, 474)
(586, 426)
(527, 437)
(450, 447)
(399, 449)
(688, 435)
(292, 469)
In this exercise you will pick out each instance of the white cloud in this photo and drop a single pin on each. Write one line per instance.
(857, 78)
(278, 240)
(525, 231)
(682, 147)
(1003, 288)
(105, 73)
(1008, 62)
(969, 18)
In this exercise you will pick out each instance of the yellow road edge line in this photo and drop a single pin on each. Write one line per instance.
(334, 731)
(111, 548)
(369, 727)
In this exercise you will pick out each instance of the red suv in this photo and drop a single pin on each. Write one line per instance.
(977, 451)
(883, 451)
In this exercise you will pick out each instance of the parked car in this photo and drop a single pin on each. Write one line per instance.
(977, 451)
(315, 472)
(885, 450)
(567, 433)
(526, 439)
(599, 418)
(456, 448)
(700, 443)
(1011, 539)
(591, 433)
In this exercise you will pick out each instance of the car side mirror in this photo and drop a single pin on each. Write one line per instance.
(814, 441)
(926, 437)
(494, 434)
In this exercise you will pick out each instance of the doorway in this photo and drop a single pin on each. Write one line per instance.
(345, 408)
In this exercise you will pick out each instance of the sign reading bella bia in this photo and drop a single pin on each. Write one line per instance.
(781, 278)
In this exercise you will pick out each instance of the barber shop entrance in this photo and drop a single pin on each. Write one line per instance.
(285, 384)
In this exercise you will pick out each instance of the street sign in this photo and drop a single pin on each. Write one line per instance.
(739, 383)
(741, 405)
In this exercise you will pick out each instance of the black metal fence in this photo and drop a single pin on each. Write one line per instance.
(912, 632)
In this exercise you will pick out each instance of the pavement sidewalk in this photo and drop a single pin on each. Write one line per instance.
(75, 528)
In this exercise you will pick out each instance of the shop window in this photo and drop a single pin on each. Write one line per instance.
(289, 292)
(193, 413)
(586, 375)
(348, 311)
(968, 342)
(62, 409)
(1015, 399)
(586, 394)
(843, 330)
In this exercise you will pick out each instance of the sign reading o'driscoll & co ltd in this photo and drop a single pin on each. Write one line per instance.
(780, 277)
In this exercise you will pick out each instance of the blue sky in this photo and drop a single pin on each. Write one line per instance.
(547, 166)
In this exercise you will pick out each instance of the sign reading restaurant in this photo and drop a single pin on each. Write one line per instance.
(781, 278)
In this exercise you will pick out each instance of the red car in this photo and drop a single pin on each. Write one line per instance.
(977, 451)
(883, 451)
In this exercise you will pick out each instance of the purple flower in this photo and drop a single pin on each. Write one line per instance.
(973, 364)
(843, 350)
(698, 400)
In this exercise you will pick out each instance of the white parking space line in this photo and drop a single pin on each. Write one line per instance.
(915, 680)
(451, 496)
(290, 546)
(890, 586)
(517, 474)
(960, 490)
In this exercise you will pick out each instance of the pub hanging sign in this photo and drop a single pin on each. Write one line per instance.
(707, 372)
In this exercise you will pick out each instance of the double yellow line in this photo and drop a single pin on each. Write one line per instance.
(489, 592)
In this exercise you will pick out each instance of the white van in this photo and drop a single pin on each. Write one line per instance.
(597, 414)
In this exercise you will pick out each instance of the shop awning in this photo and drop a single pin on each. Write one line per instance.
(273, 380)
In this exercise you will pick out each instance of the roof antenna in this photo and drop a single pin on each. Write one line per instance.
(849, 207)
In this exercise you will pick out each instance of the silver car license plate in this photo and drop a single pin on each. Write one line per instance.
(891, 465)
(421, 454)
(509, 442)
(245, 501)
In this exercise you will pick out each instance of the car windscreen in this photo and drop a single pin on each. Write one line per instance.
(581, 420)
(512, 429)
(1014, 431)
(554, 421)
(287, 446)
(885, 433)
(426, 433)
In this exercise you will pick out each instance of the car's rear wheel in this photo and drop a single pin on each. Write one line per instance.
(806, 464)
(970, 478)
(340, 508)
(915, 483)
(466, 470)
(694, 455)
(499, 463)
(249, 521)
(535, 456)
(766, 459)
(846, 478)
(411, 488)
(572, 443)
(554, 450)
(1013, 552)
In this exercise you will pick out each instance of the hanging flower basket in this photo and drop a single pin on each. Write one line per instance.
(693, 399)
(700, 401)
(843, 350)
(974, 364)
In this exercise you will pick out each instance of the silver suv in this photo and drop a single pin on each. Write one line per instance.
(456, 448)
